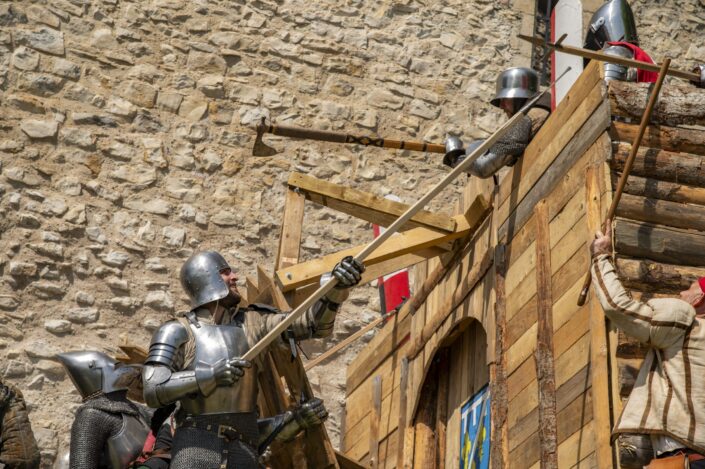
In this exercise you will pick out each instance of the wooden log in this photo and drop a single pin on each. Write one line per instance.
(545, 372)
(499, 450)
(665, 190)
(374, 421)
(425, 438)
(660, 163)
(646, 275)
(678, 104)
(599, 353)
(663, 212)
(667, 138)
(659, 243)
(364, 205)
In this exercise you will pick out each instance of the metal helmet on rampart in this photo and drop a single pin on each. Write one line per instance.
(95, 372)
(200, 277)
(516, 83)
(613, 21)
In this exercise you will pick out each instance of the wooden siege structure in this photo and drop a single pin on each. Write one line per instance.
(499, 307)
(495, 293)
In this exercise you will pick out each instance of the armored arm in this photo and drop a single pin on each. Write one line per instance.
(164, 385)
(503, 153)
(284, 427)
(615, 71)
(89, 433)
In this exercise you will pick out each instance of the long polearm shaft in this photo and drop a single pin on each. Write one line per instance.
(339, 137)
(393, 228)
(601, 56)
(645, 118)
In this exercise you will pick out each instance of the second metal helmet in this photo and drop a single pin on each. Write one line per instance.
(93, 372)
(613, 21)
(516, 83)
(200, 277)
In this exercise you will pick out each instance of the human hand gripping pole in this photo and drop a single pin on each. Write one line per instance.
(394, 227)
(645, 118)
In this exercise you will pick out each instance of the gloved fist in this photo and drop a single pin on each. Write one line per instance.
(227, 372)
(348, 272)
(311, 413)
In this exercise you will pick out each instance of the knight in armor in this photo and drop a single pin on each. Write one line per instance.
(195, 360)
(18, 448)
(612, 30)
(515, 86)
(109, 430)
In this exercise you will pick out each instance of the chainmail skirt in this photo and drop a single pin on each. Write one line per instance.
(197, 448)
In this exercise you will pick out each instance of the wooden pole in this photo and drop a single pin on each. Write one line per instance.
(401, 428)
(630, 162)
(602, 57)
(375, 417)
(276, 331)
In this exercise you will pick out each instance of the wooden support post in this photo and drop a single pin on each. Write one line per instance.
(402, 426)
(442, 406)
(292, 223)
(424, 435)
(545, 371)
(599, 363)
(375, 417)
(499, 445)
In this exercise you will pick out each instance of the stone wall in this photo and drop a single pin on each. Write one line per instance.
(125, 147)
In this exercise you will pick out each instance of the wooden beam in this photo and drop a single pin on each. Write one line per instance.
(475, 274)
(678, 104)
(599, 352)
(364, 205)
(411, 241)
(659, 243)
(665, 190)
(499, 451)
(375, 417)
(291, 229)
(545, 371)
(663, 212)
(442, 406)
(425, 441)
(402, 426)
(661, 165)
(346, 463)
(660, 136)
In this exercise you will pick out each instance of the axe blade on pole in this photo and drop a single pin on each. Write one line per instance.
(260, 148)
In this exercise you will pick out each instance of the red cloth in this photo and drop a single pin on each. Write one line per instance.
(642, 76)
(701, 281)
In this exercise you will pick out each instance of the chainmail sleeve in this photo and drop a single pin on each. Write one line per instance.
(505, 152)
(89, 433)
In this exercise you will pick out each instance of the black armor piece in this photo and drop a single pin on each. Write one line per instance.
(99, 420)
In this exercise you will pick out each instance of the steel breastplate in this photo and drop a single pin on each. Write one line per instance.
(126, 446)
(213, 343)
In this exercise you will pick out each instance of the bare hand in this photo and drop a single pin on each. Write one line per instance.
(602, 244)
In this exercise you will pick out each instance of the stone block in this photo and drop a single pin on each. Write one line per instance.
(17, 369)
(22, 269)
(138, 175)
(75, 136)
(227, 218)
(169, 101)
(119, 150)
(173, 236)
(44, 40)
(245, 94)
(154, 264)
(41, 349)
(155, 206)
(211, 86)
(206, 62)
(58, 326)
(118, 284)
(84, 298)
(76, 214)
(48, 290)
(26, 102)
(54, 206)
(37, 14)
(64, 68)
(384, 99)
(91, 118)
(159, 300)
(27, 220)
(193, 108)
(422, 109)
(50, 368)
(121, 107)
(83, 315)
(11, 15)
(117, 259)
(24, 58)
(36, 128)
(138, 93)
(52, 250)
(10, 331)
(125, 304)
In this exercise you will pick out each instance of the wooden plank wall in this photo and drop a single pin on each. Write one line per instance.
(553, 176)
